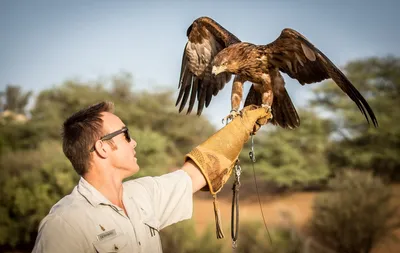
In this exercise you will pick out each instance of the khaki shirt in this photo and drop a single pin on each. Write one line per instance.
(85, 221)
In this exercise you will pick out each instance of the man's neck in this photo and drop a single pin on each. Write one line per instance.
(108, 185)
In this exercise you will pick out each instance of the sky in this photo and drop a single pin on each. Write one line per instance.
(43, 43)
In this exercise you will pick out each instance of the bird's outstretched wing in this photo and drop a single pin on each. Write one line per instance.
(205, 39)
(294, 55)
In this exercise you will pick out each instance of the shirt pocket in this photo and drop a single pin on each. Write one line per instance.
(153, 236)
(118, 243)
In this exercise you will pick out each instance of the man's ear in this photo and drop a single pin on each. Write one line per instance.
(101, 149)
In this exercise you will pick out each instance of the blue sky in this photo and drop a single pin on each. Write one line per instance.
(44, 43)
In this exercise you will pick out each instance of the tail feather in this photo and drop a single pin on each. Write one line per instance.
(283, 111)
(253, 97)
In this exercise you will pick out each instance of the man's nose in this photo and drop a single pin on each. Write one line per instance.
(134, 143)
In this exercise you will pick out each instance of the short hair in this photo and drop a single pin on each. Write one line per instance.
(80, 132)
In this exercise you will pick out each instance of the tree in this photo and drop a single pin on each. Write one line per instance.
(291, 157)
(13, 99)
(355, 214)
(55, 104)
(155, 152)
(35, 172)
(14, 133)
(154, 111)
(32, 181)
(358, 145)
(182, 238)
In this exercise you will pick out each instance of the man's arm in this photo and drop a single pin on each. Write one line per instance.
(216, 157)
(213, 160)
(198, 180)
(208, 165)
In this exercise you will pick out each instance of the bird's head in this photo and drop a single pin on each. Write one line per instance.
(226, 61)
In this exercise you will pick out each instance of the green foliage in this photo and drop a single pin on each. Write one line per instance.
(286, 238)
(54, 105)
(157, 112)
(32, 181)
(355, 214)
(16, 136)
(35, 173)
(182, 238)
(291, 157)
(14, 99)
(153, 151)
(252, 237)
(360, 146)
(152, 111)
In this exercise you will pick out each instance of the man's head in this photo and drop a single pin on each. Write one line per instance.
(96, 135)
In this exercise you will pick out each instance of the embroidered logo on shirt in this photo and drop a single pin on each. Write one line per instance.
(106, 235)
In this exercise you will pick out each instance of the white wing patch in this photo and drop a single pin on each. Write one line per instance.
(200, 55)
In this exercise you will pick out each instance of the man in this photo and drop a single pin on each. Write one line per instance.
(102, 214)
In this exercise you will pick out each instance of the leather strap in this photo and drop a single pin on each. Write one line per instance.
(235, 205)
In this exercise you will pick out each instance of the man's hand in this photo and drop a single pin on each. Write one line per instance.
(216, 157)
(262, 115)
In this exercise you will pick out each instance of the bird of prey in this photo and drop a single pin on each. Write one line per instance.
(212, 54)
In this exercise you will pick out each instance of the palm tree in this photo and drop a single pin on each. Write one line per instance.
(14, 99)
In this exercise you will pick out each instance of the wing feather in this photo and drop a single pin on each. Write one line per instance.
(294, 55)
(193, 96)
(202, 99)
(184, 84)
(206, 38)
(185, 97)
(209, 95)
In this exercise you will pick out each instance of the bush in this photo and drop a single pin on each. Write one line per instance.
(285, 237)
(355, 215)
(182, 238)
(32, 181)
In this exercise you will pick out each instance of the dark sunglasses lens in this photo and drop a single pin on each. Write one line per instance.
(127, 136)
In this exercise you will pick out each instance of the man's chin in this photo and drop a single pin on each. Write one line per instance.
(132, 172)
(136, 170)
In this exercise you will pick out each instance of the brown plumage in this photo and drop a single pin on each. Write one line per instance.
(206, 38)
(290, 53)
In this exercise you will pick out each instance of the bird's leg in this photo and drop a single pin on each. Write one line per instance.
(267, 95)
(236, 99)
(267, 99)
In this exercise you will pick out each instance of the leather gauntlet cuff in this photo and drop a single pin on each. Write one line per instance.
(217, 156)
(215, 168)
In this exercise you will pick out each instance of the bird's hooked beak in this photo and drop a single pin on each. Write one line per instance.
(218, 69)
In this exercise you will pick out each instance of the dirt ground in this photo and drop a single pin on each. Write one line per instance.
(298, 204)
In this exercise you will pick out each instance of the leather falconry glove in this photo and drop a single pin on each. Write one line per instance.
(218, 154)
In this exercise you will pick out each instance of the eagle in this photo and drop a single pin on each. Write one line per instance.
(212, 55)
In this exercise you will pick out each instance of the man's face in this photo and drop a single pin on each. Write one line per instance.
(123, 155)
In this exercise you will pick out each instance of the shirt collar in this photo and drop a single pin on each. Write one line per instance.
(91, 194)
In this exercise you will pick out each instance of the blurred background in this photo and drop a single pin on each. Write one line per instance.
(332, 185)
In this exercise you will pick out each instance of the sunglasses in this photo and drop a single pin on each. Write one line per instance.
(109, 136)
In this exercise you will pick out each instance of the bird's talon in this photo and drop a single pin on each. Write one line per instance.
(268, 109)
(230, 116)
(266, 106)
